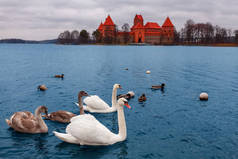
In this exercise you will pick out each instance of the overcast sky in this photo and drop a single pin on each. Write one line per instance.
(45, 19)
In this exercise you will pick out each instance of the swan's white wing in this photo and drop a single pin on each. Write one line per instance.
(85, 116)
(88, 130)
(66, 137)
(96, 103)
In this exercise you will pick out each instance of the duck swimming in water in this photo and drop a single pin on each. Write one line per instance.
(142, 98)
(158, 86)
(42, 87)
(59, 76)
(127, 96)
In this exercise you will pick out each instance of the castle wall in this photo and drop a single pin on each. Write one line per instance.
(139, 36)
(108, 30)
(155, 40)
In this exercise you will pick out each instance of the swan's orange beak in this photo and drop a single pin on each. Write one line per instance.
(127, 105)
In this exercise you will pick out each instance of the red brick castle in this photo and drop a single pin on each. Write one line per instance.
(150, 33)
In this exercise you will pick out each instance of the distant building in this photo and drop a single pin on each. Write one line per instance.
(150, 33)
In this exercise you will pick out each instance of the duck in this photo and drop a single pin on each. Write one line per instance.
(65, 116)
(59, 76)
(26, 122)
(158, 86)
(42, 87)
(127, 96)
(94, 104)
(87, 130)
(142, 98)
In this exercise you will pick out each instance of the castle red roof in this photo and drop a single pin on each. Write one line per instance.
(108, 21)
(152, 25)
(100, 26)
(137, 26)
(139, 17)
(167, 23)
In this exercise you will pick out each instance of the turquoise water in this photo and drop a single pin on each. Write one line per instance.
(170, 124)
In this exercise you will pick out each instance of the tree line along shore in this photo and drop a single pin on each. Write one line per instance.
(202, 34)
(192, 34)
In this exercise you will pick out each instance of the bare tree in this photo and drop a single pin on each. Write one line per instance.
(189, 30)
(126, 33)
(125, 27)
(176, 36)
(236, 35)
(204, 33)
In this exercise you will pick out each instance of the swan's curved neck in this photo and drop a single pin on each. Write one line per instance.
(121, 123)
(41, 122)
(114, 97)
(80, 101)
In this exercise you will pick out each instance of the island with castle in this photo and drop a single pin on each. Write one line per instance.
(149, 33)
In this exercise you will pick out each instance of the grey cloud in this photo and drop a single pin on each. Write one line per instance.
(34, 19)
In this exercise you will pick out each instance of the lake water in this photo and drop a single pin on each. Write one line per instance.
(170, 124)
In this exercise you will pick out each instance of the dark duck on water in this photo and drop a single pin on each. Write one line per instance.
(158, 86)
(59, 76)
(142, 98)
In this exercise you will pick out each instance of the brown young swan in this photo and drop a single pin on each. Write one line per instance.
(65, 116)
(26, 122)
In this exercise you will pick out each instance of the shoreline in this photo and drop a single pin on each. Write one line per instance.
(212, 45)
(208, 45)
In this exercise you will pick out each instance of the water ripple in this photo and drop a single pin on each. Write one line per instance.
(170, 124)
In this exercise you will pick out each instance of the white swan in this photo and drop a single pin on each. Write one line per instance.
(87, 130)
(95, 104)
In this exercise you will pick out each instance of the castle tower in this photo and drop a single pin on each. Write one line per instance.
(138, 19)
(168, 31)
(138, 30)
(109, 27)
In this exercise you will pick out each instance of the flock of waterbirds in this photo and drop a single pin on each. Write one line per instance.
(83, 129)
